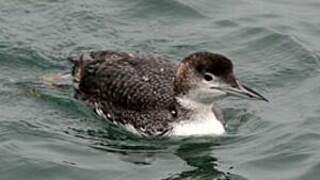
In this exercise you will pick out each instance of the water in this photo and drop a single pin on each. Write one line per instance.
(275, 46)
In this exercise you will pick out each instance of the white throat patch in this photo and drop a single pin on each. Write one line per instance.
(203, 121)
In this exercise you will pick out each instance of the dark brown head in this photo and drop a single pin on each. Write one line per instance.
(203, 76)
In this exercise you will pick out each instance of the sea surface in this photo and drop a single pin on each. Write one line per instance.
(46, 134)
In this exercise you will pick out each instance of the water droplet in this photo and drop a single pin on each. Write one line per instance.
(109, 116)
(173, 112)
(145, 78)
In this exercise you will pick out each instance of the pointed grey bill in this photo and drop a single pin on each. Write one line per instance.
(241, 90)
(251, 93)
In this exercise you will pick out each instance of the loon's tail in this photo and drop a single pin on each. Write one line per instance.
(78, 68)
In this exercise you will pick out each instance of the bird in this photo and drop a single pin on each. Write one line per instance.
(155, 96)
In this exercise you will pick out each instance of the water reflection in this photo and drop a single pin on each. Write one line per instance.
(199, 156)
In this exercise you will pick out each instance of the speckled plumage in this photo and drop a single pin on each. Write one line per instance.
(130, 89)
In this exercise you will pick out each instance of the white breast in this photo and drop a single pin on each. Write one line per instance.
(203, 122)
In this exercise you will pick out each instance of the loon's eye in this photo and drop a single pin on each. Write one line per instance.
(208, 77)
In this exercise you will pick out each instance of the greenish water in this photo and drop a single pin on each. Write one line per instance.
(275, 46)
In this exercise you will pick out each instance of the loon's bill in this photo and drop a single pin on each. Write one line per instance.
(241, 90)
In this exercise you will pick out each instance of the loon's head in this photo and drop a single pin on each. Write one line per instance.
(205, 76)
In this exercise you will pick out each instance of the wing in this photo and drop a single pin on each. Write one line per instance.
(127, 81)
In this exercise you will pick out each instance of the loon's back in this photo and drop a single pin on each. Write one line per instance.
(130, 90)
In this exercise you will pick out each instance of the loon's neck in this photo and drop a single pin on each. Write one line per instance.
(203, 121)
(190, 104)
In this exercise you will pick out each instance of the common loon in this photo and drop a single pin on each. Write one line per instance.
(154, 96)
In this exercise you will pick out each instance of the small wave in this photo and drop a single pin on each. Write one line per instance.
(225, 23)
(273, 55)
(26, 58)
(164, 8)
